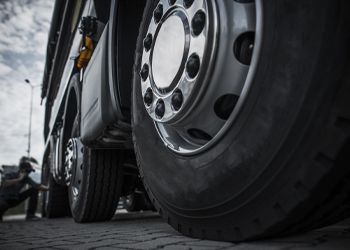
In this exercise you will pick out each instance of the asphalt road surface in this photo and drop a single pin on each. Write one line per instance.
(147, 231)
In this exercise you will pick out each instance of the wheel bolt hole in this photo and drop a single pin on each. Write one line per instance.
(188, 3)
(199, 134)
(147, 42)
(193, 65)
(198, 23)
(160, 109)
(148, 97)
(79, 181)
(243, 47)
(177, 100)
(224, 105)
(144, 72)
(158, 13)
(171, 2)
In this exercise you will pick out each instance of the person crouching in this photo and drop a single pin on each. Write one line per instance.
(11, 194)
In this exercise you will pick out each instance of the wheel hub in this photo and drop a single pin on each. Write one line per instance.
(195, 64)
(173, 49)
(168, 51)
(74, 164)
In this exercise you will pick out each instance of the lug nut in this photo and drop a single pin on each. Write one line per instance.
(160, 109)
(192, 66)
(147, 42)
(148, 97)
(198, 23)
(144, 72)
(177, 99)
(158, 13)
(188, 3)
(171, 2)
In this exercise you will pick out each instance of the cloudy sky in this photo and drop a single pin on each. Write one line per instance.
(24, 26)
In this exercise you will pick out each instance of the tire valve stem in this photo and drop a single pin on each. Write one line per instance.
(243, 48)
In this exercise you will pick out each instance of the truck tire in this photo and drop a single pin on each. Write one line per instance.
(278, 162)
(100, 186)
(55, 202)
(94, 175)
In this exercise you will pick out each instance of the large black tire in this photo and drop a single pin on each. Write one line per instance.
(101, 178)
(54, 201)
(100, 188)
(283, 166)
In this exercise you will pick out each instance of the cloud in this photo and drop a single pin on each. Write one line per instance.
(24, 26)
(4, 69)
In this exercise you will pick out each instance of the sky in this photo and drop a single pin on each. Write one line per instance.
(24, 27)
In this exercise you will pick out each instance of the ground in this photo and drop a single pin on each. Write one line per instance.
(147, 231)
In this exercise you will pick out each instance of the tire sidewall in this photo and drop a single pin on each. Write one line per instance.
(284, 85)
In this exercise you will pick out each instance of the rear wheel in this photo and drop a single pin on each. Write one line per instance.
(93, 176)
(94, 189)
(241, 116)
(54, 201)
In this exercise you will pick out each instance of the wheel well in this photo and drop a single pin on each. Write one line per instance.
(71, 109)
(128, 16)
(70, 112)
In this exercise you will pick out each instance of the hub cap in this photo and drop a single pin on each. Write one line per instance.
(196, 67)
(74, 165)
(167, 60)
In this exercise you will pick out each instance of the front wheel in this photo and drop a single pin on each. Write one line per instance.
(241, 115)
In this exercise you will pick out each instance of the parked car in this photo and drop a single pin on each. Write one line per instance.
(235, 114)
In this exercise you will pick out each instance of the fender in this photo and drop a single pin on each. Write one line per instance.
(105, 114)
(99, 105)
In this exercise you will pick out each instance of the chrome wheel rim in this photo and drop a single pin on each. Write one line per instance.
(74, 165)
(194, 92)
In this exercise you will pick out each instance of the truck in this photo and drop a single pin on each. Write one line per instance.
(231, 117)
